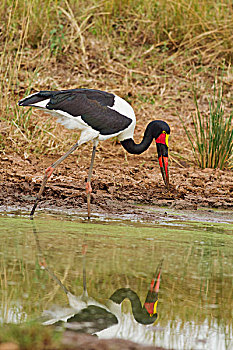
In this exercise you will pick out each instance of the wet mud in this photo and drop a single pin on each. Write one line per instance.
(89, 342)
(118, 184)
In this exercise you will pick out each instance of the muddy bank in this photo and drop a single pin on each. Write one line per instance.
(88, 342)
(118, 183)
(79, 341)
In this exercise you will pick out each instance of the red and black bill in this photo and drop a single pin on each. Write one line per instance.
(162, 149)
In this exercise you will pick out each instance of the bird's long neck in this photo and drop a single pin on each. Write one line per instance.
(140, 314)
(135, 148)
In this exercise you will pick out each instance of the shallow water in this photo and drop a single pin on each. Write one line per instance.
(46, 263)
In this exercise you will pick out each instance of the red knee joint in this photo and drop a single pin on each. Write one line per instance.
(49, 171)
(88, 187)
(42, 263)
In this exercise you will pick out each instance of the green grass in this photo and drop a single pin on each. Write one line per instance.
(30, 336)
(212, 138)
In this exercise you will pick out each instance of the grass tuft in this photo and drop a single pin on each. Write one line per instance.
(212, 138)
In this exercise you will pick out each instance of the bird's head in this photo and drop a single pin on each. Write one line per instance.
(151, 301)
(161, 135)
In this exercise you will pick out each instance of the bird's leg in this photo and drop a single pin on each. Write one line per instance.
(48, 173)
(88, 183)
(42, 261)
(84, 251)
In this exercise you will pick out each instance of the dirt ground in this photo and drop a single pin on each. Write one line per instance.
(119, 181)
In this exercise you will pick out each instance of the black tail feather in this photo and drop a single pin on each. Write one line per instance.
(35, 98)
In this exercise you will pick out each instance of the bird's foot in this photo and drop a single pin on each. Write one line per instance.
(49, 171)
(42, 263)
(88, 187)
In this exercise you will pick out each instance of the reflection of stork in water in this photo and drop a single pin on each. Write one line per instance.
(106, 319)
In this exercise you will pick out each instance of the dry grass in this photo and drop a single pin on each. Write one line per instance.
(150, 52)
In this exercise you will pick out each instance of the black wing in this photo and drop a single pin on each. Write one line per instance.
(91, 105)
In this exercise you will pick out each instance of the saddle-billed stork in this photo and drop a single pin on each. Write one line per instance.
(99, 115)
(85, 307)
(106, 317)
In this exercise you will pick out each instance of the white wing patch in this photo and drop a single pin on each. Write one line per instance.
(123, 108)
(67, 120)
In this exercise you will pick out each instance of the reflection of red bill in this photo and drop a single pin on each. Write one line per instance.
(163, 163)
(151, 307)
(154, 287)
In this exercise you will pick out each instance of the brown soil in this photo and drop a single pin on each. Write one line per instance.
(118, 182)
(119, 179)
(79, 341)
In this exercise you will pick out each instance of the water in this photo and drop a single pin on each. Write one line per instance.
(47, 263)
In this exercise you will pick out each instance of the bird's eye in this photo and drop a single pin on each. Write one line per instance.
(164, 132)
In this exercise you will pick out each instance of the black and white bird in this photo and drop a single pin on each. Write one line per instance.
(99, 115)
(105, 318)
